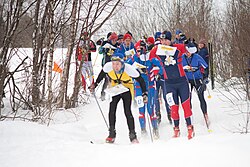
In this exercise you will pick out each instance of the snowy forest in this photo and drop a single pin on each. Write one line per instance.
(48, 119)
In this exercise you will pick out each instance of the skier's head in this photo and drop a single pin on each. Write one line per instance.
(202, 43)
(113, 37)
(120, 38)
(150, 40)
(166, 37)
(117, 62)
(191, 48)
(84, 35)
(177, 33)
(157, 35)
(140, 47)
(127, 38)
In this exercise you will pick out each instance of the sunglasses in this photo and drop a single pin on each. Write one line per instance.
(114, 58)
(162, 36)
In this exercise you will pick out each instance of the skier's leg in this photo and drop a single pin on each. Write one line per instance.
(203, 103)
(84, 75)
(173, 101)
(183, 90)
(185, 101)
(142, 120)
(104, 86)
(157, 101)
(164, 92)
(112, 118)
(112, 110)
(90, 72)
(150, 107)
(127, 99)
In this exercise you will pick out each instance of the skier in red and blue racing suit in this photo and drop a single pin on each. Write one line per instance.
(149, 69)
(176, 83)
(160, 85)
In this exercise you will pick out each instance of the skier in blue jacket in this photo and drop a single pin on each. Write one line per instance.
(149, 69)
(192, 64)
(126, 46)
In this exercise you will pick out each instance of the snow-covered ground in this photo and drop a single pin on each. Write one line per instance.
(75, 138)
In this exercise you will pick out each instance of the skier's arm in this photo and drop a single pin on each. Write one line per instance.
(100, 77)
(204, 65)
(92, 46)
(142, 84)
(157, 63)
(133, 73)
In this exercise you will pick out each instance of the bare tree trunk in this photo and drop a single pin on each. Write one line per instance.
(64, 80)
(51, 53)
(12, 21)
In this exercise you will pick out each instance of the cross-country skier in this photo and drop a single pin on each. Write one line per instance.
(126, 47)
(87, 69)
(157, 38)
(150, 43)
(121, 75)
(149, 69)
(120, 39)
(203, 52)
(192, 64)
(107, 49)
(180, 37)
(176, 81)
(161, 86)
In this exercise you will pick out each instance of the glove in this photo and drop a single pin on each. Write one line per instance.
(145, 97)
(205, 81)
(202, 88)
(92, 88)
(157, 77)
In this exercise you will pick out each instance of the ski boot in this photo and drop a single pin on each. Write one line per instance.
(176, 132)
(170, 119)
(112, 135)
(190, 131)
(156, 133)
(103, 96)
(158, 116)
(133, 137)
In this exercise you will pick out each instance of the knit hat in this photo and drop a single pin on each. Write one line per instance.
(178, 31)
(108, 35)
(120, 36)
(151, 40)
(157, 35)
(166, 35)
(118, 57)
(191, 48)
(127, 36)
(113, 36)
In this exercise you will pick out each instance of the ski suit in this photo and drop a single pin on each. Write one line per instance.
(125, 78)
(176, 83)
(192, 66)
(87, 68)
(148, 73)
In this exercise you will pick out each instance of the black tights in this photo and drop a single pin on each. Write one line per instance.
(196, 84)
(126, 97)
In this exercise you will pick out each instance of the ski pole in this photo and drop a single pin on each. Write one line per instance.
(149, 125)
(100, 110)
